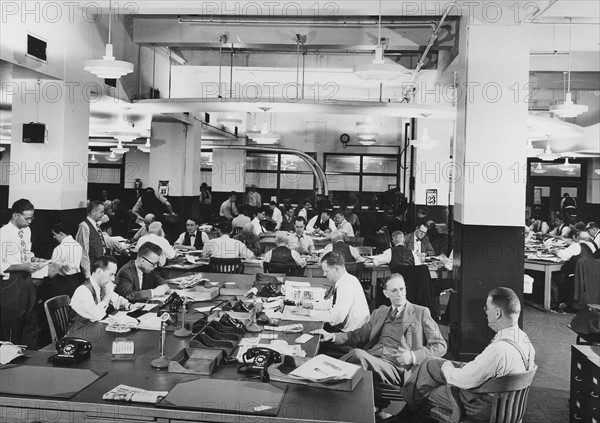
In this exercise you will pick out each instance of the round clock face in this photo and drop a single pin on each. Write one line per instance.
(344, 138)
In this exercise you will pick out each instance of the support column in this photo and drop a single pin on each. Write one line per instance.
(490, 175)
(52, 175)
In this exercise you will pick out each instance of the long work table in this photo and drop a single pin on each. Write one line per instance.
(300, 403)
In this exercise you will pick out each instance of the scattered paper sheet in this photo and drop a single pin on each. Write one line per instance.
(8, 352)
(129, 393)
(324, 369)
(149, 321)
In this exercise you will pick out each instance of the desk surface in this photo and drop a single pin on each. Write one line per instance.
(300, 404)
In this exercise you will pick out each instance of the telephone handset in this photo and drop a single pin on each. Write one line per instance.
(257, 361)
(72, 350)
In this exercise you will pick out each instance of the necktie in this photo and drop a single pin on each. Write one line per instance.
(102, 292)
(393, 314)
(23, 247)
(101, 239)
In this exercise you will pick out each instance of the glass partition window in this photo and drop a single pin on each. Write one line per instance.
(342, 164)
(539, 169)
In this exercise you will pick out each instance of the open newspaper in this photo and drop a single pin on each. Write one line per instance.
(323, 369)
(129, 393)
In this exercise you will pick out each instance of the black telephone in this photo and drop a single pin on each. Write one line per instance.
(72, 350)
(257, 361)
(172, 304)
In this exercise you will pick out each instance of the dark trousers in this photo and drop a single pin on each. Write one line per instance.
(18, 320)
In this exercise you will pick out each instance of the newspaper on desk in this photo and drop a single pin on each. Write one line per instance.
(302, 291)
(322, 369)
(281, 346)
(129, 393)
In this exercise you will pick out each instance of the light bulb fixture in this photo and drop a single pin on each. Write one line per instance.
(146, 147)
(367, 142)
(108, 67)
(539, 169)
(119, 149)
(531, 151)
(597, 171)
(2, 149)
(125, 136)
(548, 155)
(93, 159)
(568, 109)
(566, 166)
(265, 136)
(424, 142)
(112, 157)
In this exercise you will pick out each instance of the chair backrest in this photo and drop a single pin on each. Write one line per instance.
(365, 250)
(354, 269)
(57, 312)
(510, 399)
(226, 265)
(236, 231)
(287, 269)
(355, 241)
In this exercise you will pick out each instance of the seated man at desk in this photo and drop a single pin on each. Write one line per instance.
(224, 246)
(299, 241)
(397, 256)
(250, 240)
(144, 229)
(156, 235)
(418, 242)
(282, 254)
(562, 228)
(395, 339)
(259, 221)
(510, 351)
(321, 225)
(350, 254)
(342, 224)
(91, 300)
(346, 307)
(538, 226)
(138, 279)
(192, 238)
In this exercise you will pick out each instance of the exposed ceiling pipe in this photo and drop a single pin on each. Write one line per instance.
(348, 22)
(323, 185)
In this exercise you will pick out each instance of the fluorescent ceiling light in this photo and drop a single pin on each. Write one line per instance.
(119, 149)
(113, 157)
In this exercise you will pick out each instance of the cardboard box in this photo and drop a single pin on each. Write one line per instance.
(196, 361)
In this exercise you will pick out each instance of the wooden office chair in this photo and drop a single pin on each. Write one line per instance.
(364, 277)
(57, 312)
(354, 269)
(509, 398)
(384, 393)
(365, 250)
(287, 269)
(236, 231)
(226, 265)
(355, 241)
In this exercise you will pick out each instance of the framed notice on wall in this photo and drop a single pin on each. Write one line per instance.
(431, 197)
(163, 188)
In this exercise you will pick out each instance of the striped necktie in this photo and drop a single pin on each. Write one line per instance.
(393, 314)
(23, 247)
(101, 239)
(102, 292)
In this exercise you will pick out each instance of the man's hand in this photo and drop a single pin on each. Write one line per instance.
(161, 290)
(325, 336)
(403, 357)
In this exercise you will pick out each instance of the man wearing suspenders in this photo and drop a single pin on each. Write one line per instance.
(509, 352)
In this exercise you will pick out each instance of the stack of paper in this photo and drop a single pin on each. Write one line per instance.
(325, 369)
(129, 393)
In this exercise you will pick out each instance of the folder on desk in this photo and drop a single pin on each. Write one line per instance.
(228, 396)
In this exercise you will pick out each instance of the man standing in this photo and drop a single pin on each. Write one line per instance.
(253, 199)
(303, 212)
(89, 236)
(299, 241)
(342, 224)
(224, 246)
(192, 238)
(322, 225)
(138, 279)
(148, 220)
(241, 219)
(276, 215)
(65, 264)
(151, 202)
(395, 339)
(228, 209)
(91, 300)
(346, 309)
(509, 352)
(418, 242)
(18, 321)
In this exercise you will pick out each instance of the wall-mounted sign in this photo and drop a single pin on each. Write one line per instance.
(431, 197)
(163, 188)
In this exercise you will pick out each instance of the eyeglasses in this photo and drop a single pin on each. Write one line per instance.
(149, 262)
(396, 291)
(28, 219)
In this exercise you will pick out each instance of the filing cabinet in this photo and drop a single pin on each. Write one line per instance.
(585, 384)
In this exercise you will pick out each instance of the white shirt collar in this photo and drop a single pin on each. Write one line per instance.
(96, 224)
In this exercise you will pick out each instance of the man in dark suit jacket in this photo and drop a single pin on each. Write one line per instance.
(142, 269)
(395, 339)
(418, 242)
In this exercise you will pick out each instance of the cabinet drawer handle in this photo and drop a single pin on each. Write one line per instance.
(594, 395)
(576, 417)
(578, 379)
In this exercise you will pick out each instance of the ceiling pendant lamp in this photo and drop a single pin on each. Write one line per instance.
(119, 149)
(146, 147)
(531, 151)
(539, 169)
(568, 109)
(566, 166)
(108, 67)
(424, 142)
(112, 157)
(378, 70)
(93, 159)
(548, 155)
(265, 136)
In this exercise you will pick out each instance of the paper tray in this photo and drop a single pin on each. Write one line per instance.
(195, 361)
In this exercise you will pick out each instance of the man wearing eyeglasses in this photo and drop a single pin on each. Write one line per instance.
(138, 279)
(418, 243)
(18, 321)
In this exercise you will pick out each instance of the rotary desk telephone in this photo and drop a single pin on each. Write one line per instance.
(257, 362)
(71, 351)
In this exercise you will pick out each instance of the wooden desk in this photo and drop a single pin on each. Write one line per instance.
(546, 267)
(300, 404)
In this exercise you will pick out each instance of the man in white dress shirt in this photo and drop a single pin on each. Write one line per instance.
(192, 238)
(89, 235)
(321, 225)
(509, 352)
(342, 224)
(276, 215)
(224, 246)
(299, 241)
(18, 320)
(258, 221)
(156, 235)
(303, 212)
(92, 299)
(594, 231)
(65, 264)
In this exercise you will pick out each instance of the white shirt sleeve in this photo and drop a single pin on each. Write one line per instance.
(180, 239)
(571, 251)
(84, 305)
(298, 259)
(311, 225)
(383, 258)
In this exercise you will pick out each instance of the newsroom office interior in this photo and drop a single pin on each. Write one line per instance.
(189, 137)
